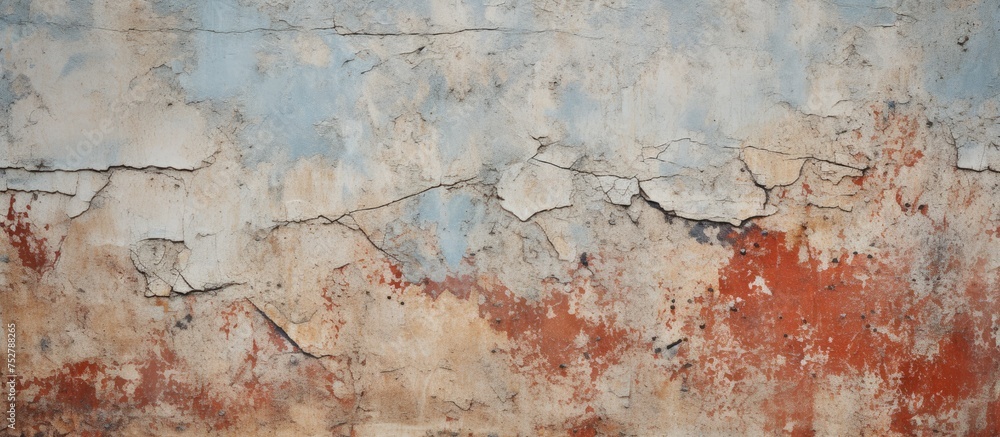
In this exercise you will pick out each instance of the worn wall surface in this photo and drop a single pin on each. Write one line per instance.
(550, 217)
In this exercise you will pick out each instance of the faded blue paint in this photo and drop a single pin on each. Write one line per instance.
(867, 12)
(72, 64)
(579, 112)
(791, 79)
(6, 93)
(452, 215)
(16, 11)
(974, 74)
(230, 16)
(690, 23)
(582, 236)
(687, 154)
(453, 236)
(460, 124)
(227, 63)
(171, 8)
(295, 110)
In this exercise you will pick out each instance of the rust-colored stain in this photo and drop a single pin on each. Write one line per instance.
(551, 336)
(798, 321)
(98, 393)
(31, 249)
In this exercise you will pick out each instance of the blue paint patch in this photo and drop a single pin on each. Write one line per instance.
(460, 124)
(581, 236)
(687, 154)
(579, 112)
(17, 11)
(453, 216)
(690, 23)
(295, 110)
(970, 70)
(173, 8)
(6, 92)
(72, 64)
(867, 12)
(790, 60)
(230, 16)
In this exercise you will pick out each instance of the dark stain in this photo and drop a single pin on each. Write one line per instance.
(183, 323)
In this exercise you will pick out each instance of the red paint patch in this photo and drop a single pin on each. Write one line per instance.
(551, 336)
(793, 322)
(31, 249)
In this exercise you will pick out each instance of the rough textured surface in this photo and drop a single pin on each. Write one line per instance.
(502, 218)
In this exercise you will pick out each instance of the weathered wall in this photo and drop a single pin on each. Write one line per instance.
(502, 217)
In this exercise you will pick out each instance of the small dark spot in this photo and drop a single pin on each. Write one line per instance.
(756, 245)
(497, 320)
(657, 350)
(402, 303)
(922, 207)
(805, 322)
(743, 251)
(836, 261)
(733, 309)
(493, 351)
(562, 366)
(586, 355)
(930, 123)
(862, 317)
(711, 290)
(855, 252)
(764, 233)
(583, 260)
(906, 205)
(870, 256)
(655, 337)
(44, 344)
(701, 326)
(672, 307)
(867, 325)
(389, 297)
(786, 335)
